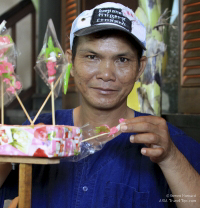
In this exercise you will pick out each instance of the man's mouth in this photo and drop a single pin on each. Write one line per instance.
(105, 91)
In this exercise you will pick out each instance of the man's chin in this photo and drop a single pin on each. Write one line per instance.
(105, 106)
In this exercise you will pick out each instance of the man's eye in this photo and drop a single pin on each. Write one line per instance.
(122, 59)
(91, 56)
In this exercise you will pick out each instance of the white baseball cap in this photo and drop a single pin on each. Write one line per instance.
(108, 16)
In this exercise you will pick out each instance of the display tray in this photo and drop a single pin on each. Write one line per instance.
(29, 160)
(46, 141)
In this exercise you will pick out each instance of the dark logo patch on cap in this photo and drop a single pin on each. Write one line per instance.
(110, 15)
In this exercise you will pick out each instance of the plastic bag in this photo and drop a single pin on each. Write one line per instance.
(51, 61)
(8, 54)
(94, 139)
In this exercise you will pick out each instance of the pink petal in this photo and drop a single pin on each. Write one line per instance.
(11, 89)
(113, 130)
(18, 85)
(6, 80)
(121, 120)
(51, 68)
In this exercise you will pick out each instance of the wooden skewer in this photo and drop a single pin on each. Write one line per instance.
(95, 137)
(20, 102)
(44, 103)
(23, 108)
(52, 104)
(2, 101)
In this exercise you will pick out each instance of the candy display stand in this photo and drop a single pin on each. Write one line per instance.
(34, 144)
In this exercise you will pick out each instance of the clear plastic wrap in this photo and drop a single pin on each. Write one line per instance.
(94, 139)
(10, 81)
(51, 61)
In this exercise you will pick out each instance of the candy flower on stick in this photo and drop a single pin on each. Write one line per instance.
(51, 55)
(6, 41)
(10, 83)
(51, 63)
(104, 130)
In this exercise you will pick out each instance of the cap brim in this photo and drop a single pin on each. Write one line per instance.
(97, 28)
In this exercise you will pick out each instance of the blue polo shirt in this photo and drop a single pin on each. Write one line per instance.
(118, 176)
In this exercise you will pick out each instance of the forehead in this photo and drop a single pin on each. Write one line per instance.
(119, 38)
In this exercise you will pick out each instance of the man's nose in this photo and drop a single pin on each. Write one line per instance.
(106, 71)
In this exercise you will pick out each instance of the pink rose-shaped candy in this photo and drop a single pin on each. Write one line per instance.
(113, 130)
(2, 69)
(11, 89)
(51, 71)
(121, 120)
(51, 68)
(18, 85)
(4, 40)
(6, 80)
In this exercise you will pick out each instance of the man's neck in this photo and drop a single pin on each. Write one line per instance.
(97, 117)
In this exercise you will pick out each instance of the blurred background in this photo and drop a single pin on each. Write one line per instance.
(173, 26)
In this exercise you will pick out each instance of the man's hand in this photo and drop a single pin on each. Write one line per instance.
(153, 132)
(180, 175)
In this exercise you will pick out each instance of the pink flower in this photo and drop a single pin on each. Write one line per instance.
(121, 120)
(51, 68)
(3, 41)
(18, 85)
(9, 66)
(6, 67)
(113, 130)
(6, 80)
(11, 89)
(2, 69)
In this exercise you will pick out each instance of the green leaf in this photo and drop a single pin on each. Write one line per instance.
(102, 129)
(6, 75)
(66, 78)
(51, 48)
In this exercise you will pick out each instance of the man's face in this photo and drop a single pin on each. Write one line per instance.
(105, 70)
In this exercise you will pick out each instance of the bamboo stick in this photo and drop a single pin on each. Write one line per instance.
(48, 96)
(23, 108)
(52, 104)
(90, 138)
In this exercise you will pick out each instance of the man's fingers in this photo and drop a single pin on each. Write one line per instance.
(148, 138)
(149, 119)
(142, 128)
(152, 152)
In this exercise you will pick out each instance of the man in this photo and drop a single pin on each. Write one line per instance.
(144, 165)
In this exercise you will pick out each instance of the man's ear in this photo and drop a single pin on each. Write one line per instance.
(69, 59)
(143, 62)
